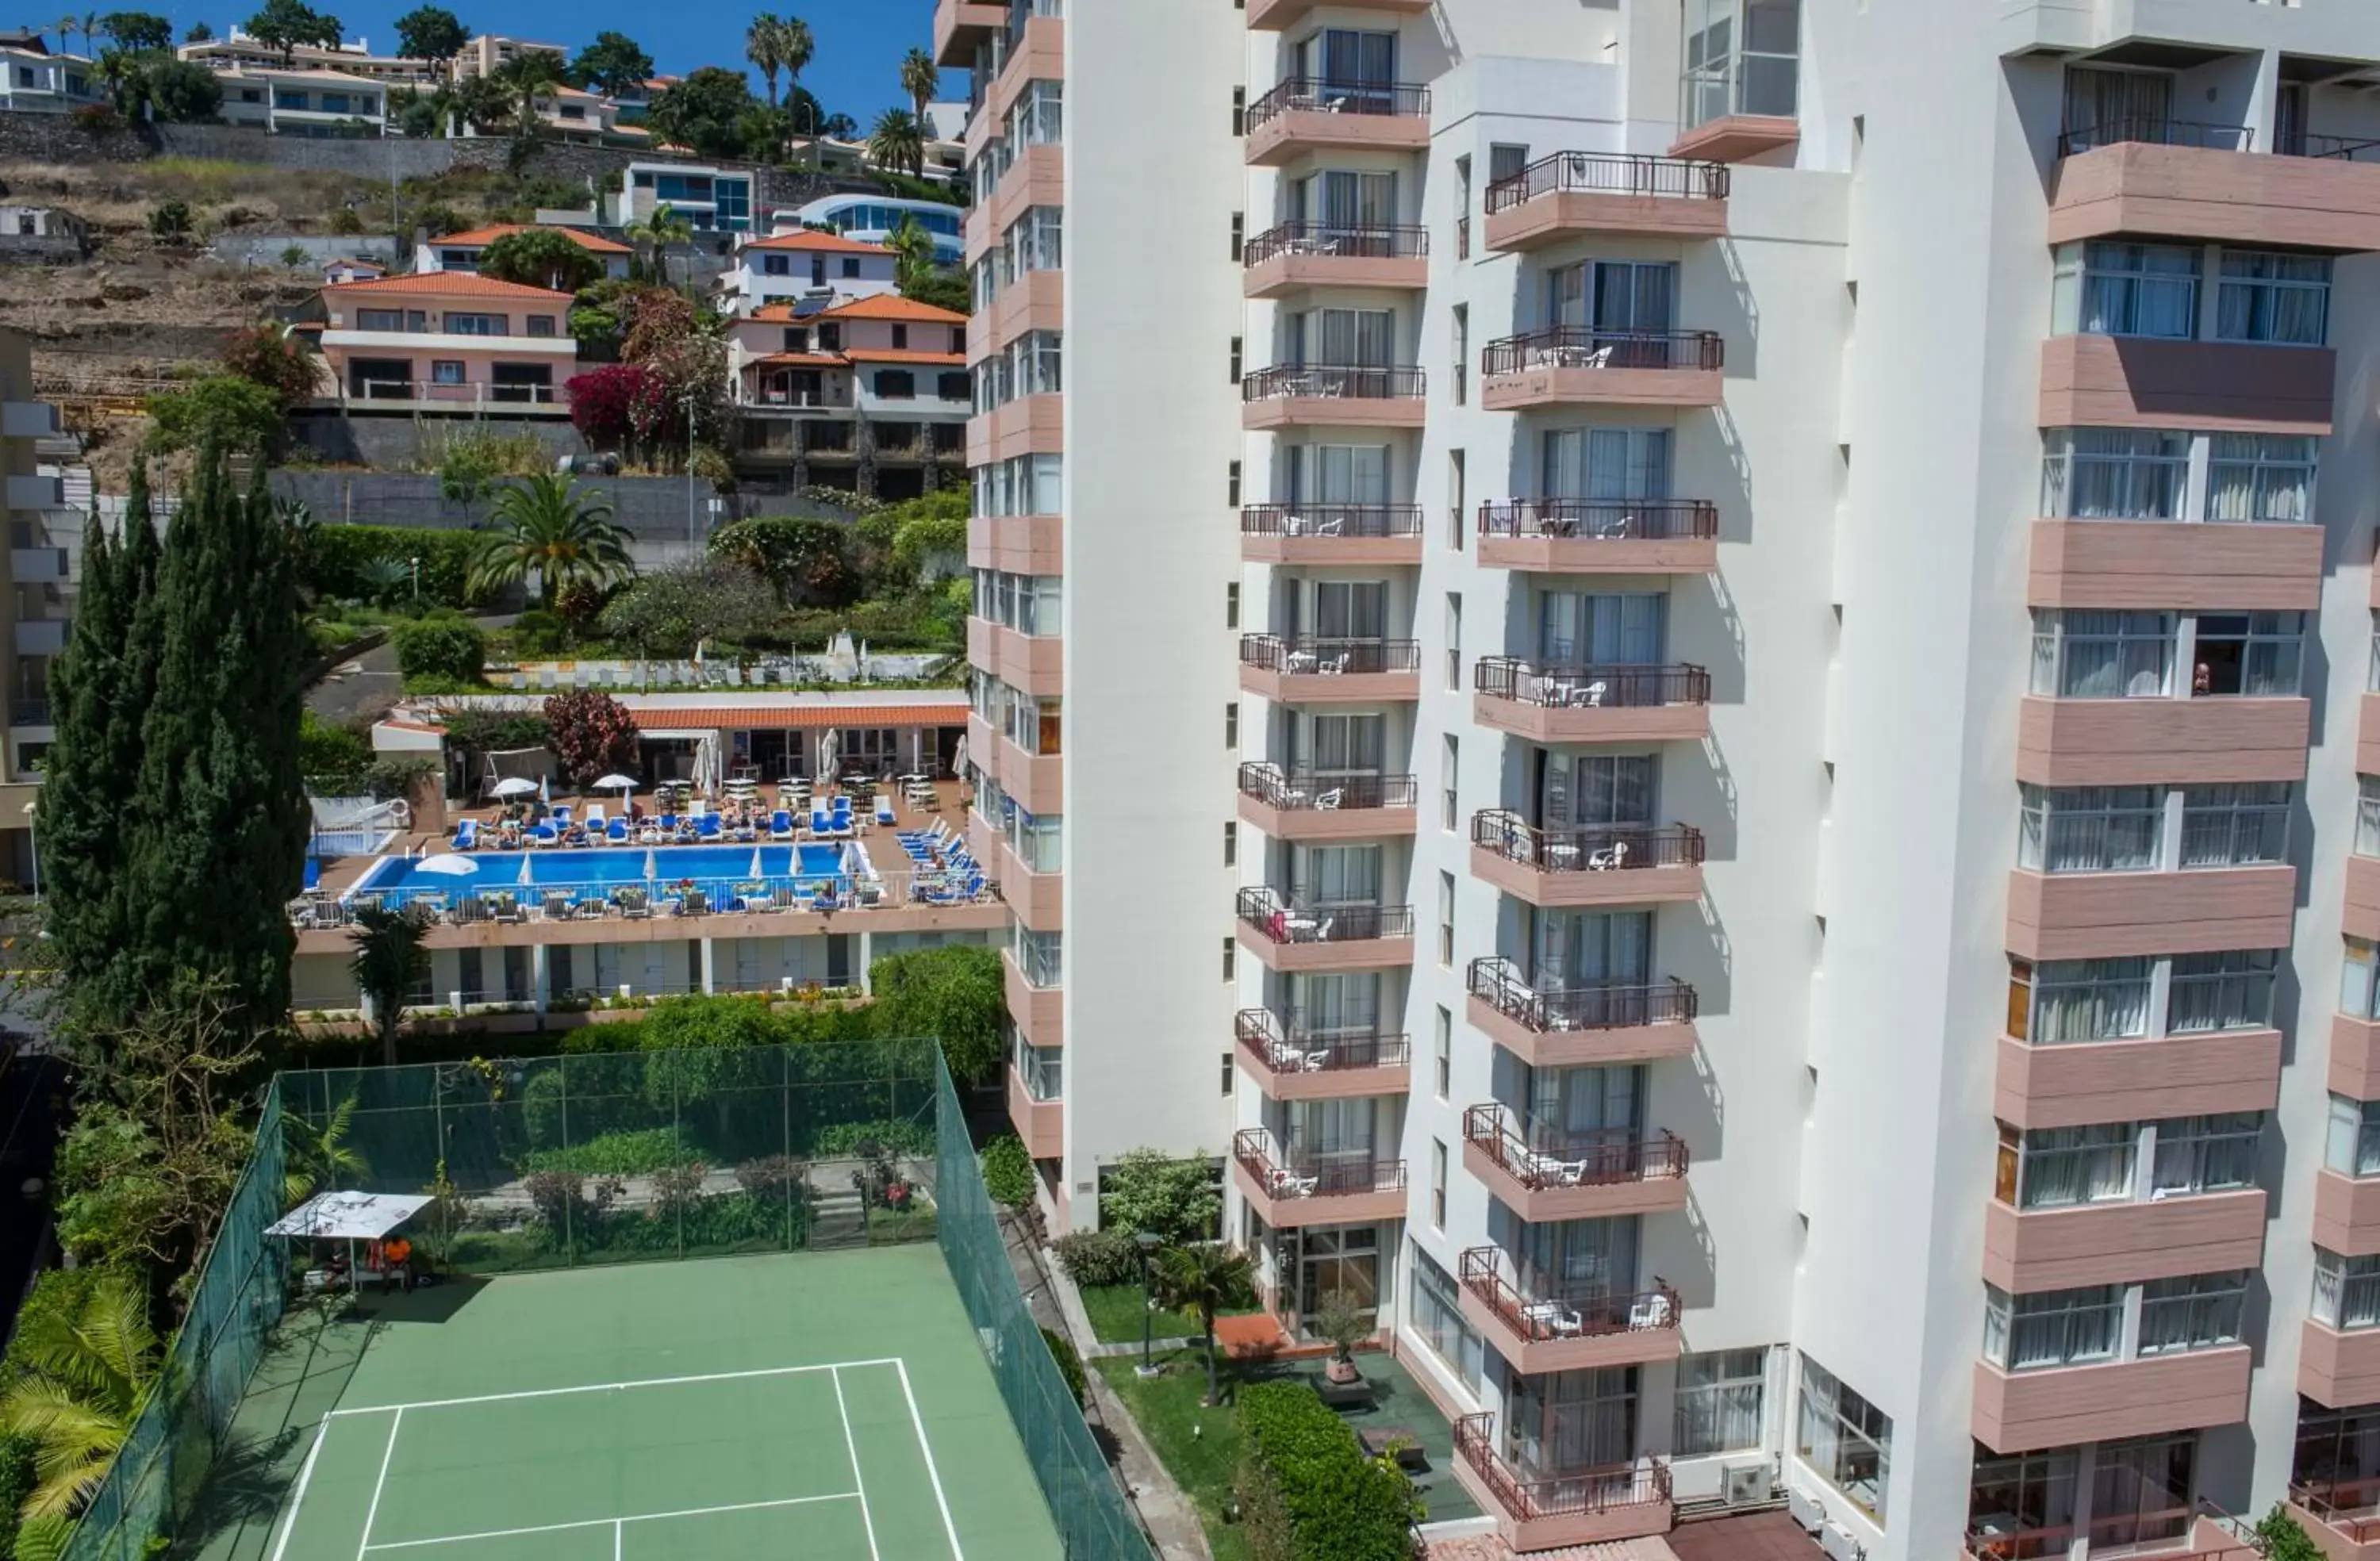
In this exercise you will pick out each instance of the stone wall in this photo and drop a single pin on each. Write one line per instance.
(652, 510)
(268, 249)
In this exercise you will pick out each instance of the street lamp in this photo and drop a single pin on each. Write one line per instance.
(416, 580)
(33, 840)
(1148, 1241)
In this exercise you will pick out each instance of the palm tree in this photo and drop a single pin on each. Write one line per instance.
(914, 246)
(764, 46)
(1202, 1279)
(320, 1156)
(389, 961)
(920, 78)
(528, 76)
(76, 1403)
(67, 26)
(665, 228)
(548, 525)
(898, 143)
(793, 49)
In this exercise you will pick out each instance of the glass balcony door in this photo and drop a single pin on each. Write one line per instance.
(1339, 875)
(1593, 948)
(1340, 201)
(1335, 474)
(1337, 746)
(1606, 463)
(1601, 628)
(1337, 1006)
(1579, 1109)
(1573, 1258)
(1563, 1423)
(1591, 791)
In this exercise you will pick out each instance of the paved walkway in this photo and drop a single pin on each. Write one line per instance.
(360, 689)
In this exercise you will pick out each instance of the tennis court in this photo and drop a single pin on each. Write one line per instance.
(831, 1406)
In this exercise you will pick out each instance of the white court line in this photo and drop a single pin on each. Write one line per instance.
(619, 1537)
(932, 1473)
(867, 1519)
(373, 1511)
(304, 1478)
(607, 1387)
(616, 1524)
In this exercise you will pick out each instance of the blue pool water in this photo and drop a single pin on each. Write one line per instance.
(611, 866)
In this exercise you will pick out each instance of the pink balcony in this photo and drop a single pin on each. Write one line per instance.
(2030, 1250)
(2113, 915)
(1038, 1122)
(1549, 702)
(1552, 1179)
(1273, 16)
(2070, 1085)
(2339, 1368)
(2367, 726)
(1310, 114)
(1288, 1189)
(2346, 1213)
(1331, 536)
(1556, 1026)
(1738, 138)
(1037, 177)
(1565, 1328)
(1019, 544)
(2362, 917)
(1295, 256)
(1621, 864)
(1285, 936)
(1601, 536)
(1039, 54)
(1039, 899)
(1327, 807)
(1036, 781)
(1580, 365)
(1031, 663)
(2175, 566)
(2344, 1517)
(1547, 1512)
(2160, 741)
(1298, 395)
(1038, 1013)
(1026, 425)
(2354, 1057)
(2023, 1411)
(1575, 193)
(1330, 671)
(1035, 302)
(2140, 382)
(1289, 1061)
(959, 26)
(2219, 193)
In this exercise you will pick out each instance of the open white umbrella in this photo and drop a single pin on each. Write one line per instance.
(620, 784)
(830, 749)
(515, 786)
(447, 863)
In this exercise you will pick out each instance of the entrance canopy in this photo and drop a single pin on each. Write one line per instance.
(350, 1217)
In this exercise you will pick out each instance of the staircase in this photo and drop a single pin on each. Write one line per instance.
(838, 1218)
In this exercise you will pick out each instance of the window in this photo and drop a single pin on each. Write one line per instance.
(1228, 1080)
(1442, 1054)
(2194, 1311)
(540, 325)
(379, 319)
(951, 385)
(850, 267)
(2224, 991)
(895, 384)
(1231, 843)
(2091, 828)
(2346, 1290)
(900, 337)
(478, 325)
(2063, 1167)
(2268, 297)
(2079, 1001)
(1237, 344)
(1437, 1320)
(1231, 959)
(1454, 642)
(2079, 654)
(2206, 1154)
(2261, 477)
(2367, 816)
(1720, 1403)
(446, 371)
(829, 336)
(1450, 808)
(797, 338)
(1459, 333)
(2354, 1144)
(1742, 56)
(2103, 288)
(1232, 725)
(2256, 655)
(1232, 485)
(1446, 918)
(1436, 1184)
(1042, 1070)
(2358, 998)
(2114, 474)
(1040, 956)
(1239, 111)
(2052, 1329)
(2235, 826)
(1845, 1440)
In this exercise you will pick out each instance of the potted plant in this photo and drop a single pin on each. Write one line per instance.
(1344, 1326)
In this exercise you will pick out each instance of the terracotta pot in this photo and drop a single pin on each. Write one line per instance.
(1341, 1372)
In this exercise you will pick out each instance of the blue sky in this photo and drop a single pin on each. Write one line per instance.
(855, 70)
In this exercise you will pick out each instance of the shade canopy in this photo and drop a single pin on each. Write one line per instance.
(447, 863)
(617, 783)
(348, 1216)
(515, 786)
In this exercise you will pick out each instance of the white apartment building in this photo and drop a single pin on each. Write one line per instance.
(304, 103)
(236, 50)
(34, 80)
(1689, 675)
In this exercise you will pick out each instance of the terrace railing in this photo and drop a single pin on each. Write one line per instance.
(1373, 521)
(1341, 241)
(1291, 919)
(1542, 1314)
(1587, 346)
(2343, 149)
(1543, 1158)
(1313, 94)
(1603, 848)
(1302, 791)
(1579, 1492)
(1610, 520)
(1333, 381)
(1610, 173)
(1290, 1045)
(1329, 655)
(1294, 1173)
(2155, 129)
(2348, 1507)
(474, 394)
(1592, 685)
(1498, 982)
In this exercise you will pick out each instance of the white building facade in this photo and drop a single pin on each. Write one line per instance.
(1688, 678)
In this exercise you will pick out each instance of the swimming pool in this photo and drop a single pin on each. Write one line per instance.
(605, 868)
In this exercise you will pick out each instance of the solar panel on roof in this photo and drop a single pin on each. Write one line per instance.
(814, 304)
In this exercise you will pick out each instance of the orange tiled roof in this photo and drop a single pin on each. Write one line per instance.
(770, 716)
(904, 354)
(451, 284)
(594, 243)
(806, 240)
(799, 360)
(892, 306)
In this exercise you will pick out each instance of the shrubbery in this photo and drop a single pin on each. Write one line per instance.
(449, 650)
(1008, 1171)
(1308, 1491)
(1069, 1361)
(376, 564)
(1107, 1256)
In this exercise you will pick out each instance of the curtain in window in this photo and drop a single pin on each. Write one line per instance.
(1600, 630)
(2267, 297)
(2206, 1154)
(1587, 791)
(1607, 464)
(1350, 473)
(2252, 476)
(2141, 1491)
(1574, 1257)
(2109, 100)
(1578, 1107)
(1720, 1403)
(1566, 296)
(1339, 1004)
(1351, 609)
(2062, 1327)
(1594, 948)
(1340, 1128)
(1348, 744)
(1633, 295)
(1571, 1421)
(2064, 1166)
(1349, 338)
(1342, 875)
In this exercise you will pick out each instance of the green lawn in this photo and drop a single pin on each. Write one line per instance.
(1199, 1446)
(1116, 1311)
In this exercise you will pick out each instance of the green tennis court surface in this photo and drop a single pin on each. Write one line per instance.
(832, 1407)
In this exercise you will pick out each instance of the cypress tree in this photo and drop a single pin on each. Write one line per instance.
(77, 830)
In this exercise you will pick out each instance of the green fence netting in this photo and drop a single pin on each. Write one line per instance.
(156, 1476)
(1093, 1521)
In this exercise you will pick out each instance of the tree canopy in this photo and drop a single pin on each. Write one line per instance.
(137, 31)
(227, 410)
(669, 612)
(614, 64)
(542, 257)
(286, 24)
(703, 110)
(431, 32)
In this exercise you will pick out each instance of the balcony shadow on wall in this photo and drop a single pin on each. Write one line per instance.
(1738, 321)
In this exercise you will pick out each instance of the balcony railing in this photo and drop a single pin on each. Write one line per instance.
(1303, 381)
(2156, 130)
(1544, 1160)
(1545, 1314)
(1330, 520)
(1600, 849)
(1311, 94)
(1610, 173)
(1293, 919)
(1590, 686)
(1498, 982)
(1302, 792)
(2164, 1532)
(1585, 346)
(1311, 656)
(1296, 1174)
(1289, 1045)
(472, 394)
(30, 711)
(1337, 241)
(2348, 1507)
(1630, 520)
(2340, 148)
(1581, 1494)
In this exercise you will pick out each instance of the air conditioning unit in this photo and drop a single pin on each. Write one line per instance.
(1748, 1485)
(1803, 1508)
(1837, 1541)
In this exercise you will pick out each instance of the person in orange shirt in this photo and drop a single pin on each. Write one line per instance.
(395, 1254)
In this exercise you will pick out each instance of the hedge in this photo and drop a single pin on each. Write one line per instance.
(447, 648)
(1008, 1171)
(335, 556)
(1069, 1362)
(1301, 1460)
